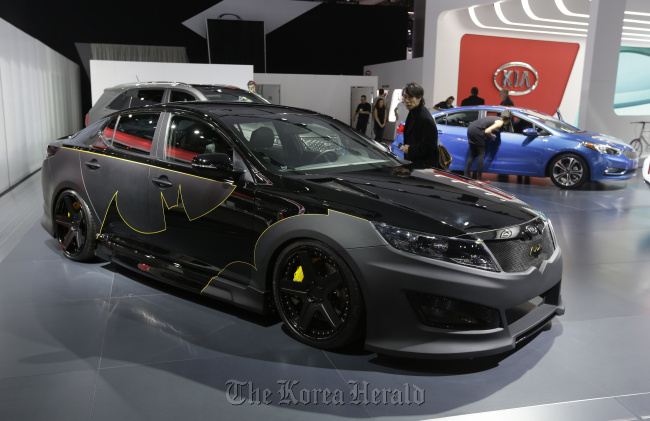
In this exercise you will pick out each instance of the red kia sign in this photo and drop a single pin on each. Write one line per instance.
(535, 72)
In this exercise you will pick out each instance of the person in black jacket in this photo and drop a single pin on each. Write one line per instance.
(473, 99)
(420, 131)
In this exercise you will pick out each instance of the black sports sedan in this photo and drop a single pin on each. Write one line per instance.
(281, 209)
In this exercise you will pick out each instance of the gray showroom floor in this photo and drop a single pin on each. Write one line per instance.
(91, 342)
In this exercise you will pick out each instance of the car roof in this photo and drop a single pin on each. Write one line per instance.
(499, 108)
(221, 109)
(154, 84)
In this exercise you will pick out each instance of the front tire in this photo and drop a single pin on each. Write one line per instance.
(569, 171)
(317, 296)
(637, 145)
(74, 227)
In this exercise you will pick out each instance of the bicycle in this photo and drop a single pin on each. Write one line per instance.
(638, 142)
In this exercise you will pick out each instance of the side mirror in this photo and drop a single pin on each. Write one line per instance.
(215, 164)
(530, 132)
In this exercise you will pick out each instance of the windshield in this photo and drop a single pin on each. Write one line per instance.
(217, 93)
(552, 122)
(315, 144)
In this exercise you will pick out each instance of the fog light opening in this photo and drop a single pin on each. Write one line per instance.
(447, 313)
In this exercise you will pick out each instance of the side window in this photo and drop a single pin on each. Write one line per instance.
(188, 137)
(462, 118)
(441, 119)
(181, 96)
(519, 124)
(542, 131)
(134, 132)
(147, 97)
(122, 101)
(106, 135)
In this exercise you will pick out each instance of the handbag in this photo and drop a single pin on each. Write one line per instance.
(444, 157)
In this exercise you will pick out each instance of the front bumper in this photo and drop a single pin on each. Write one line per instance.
(614, 167)
(393, 328)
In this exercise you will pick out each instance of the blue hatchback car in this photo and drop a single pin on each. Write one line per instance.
(537, 145)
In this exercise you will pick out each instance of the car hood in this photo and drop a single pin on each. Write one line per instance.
(428, 200)
(598, 138)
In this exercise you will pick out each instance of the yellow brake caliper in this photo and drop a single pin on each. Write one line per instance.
(298, 276)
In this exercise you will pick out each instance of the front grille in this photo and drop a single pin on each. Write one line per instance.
(630, 154)
(515, 255)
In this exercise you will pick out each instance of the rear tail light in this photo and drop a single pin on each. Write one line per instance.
(51, 150)
(87, 117)
(400, 129)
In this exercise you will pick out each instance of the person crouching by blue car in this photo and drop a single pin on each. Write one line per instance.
(420, 131)
(477, 133)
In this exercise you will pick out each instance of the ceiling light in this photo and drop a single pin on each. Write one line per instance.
(526, 5)
(499, 12)
(472, 15)
(560, 5)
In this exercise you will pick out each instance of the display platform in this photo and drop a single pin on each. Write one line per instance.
(92, 342)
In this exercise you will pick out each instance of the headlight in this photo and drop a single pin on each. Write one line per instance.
(463, 252)
(599, 147)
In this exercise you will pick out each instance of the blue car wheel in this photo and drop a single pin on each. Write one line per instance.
(569, 171)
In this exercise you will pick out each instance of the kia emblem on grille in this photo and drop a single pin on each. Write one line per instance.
(535, 250)
(506, 233)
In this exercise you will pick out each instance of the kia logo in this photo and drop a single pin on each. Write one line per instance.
(517, 77)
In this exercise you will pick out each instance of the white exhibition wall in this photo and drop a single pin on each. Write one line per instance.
(327, 94)
(395, 75)
(105, 74)
(40, 101)
(323, 93)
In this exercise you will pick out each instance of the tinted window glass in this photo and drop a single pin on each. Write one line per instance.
(441, 119)
(147, 97)
(134, 132)
(122, 101)
(181, 96)
(188, 137)
(519, 124)
(215, 93)
(462, 118)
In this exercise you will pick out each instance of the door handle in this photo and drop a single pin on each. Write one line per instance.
(162, 181)
(441, 132)
(93, 165)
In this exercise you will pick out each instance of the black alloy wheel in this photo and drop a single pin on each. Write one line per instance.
(569, 171)
(317, 296)
(75, 227)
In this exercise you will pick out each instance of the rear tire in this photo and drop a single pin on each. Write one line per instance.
(569, 171)
(74, 227)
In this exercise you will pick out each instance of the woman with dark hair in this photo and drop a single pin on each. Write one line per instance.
(420, 131)
(379, 116)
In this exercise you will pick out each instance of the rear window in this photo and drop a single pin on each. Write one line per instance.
(137, 97)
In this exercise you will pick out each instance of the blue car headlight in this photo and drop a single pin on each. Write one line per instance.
(463, 252)
(602, 148)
